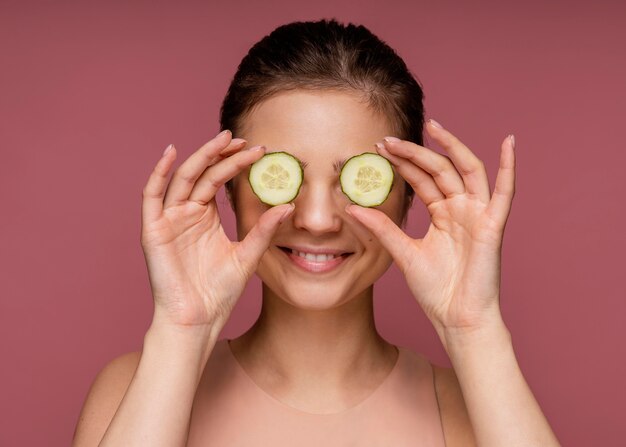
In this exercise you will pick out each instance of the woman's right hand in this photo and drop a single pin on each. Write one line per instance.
(196, 273)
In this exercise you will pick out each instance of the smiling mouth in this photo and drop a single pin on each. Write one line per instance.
(315, 262)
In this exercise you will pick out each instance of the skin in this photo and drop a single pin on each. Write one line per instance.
(315, 345)
(316, 330)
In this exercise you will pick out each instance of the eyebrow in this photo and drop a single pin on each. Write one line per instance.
(337, 165)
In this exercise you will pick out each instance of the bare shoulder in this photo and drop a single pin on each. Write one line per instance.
(103, 399)
(457, 427)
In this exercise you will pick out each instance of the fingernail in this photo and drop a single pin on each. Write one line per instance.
(512, 138)
(287, 212)
(391, 139)
(222, 133)
(380, 146)
(435, 123)
(237, 141)
(168, 149)
(257, 148)
(347, 208)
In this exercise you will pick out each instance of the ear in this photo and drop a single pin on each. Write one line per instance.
(407, 204)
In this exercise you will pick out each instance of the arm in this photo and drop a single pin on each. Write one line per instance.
(196, 275)
(454, 274)
(103, 399)
(501, 406)
(146, 398)
(156, 408)
(456, 425)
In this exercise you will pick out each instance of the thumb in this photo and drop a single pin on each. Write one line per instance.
(252, 247)
(395, 241)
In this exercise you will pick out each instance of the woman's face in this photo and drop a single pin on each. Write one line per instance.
(321, 129)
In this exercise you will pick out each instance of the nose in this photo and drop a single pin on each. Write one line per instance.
(318, 210)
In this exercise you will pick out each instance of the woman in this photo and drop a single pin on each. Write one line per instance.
(313, 369)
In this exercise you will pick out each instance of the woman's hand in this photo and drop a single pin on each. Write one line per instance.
(454, 271)
(196, 273)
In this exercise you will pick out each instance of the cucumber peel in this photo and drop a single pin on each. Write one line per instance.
(366, 179)
(276, 178)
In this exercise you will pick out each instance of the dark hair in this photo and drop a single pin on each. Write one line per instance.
(327, 55)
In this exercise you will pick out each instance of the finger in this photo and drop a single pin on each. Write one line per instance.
(256, 242)
(395, 241)
(187, 173)
(215, 176)
(235, 145)
(421, 182)
(438, 166)
(500, 204)
(471, 168)
(154, 190)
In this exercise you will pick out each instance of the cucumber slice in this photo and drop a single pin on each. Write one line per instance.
(276, 178)
(366, 179)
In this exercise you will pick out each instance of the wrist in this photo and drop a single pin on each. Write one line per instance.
(180, 347)
(488, 328)
(492, 339)
(494, 329)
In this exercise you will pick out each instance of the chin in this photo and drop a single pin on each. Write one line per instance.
(319, 296)
(315, 305)
(318, 290)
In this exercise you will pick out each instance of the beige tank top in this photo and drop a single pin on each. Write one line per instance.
(402, 411)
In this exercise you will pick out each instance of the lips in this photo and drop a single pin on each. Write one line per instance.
(316, 260)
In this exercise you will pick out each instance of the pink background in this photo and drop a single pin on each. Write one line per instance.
(93, 93)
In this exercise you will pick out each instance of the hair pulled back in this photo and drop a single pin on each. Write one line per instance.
(327, 55)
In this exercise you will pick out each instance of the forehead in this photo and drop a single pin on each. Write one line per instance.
(316, 126)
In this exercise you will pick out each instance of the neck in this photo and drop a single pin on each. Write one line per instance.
(323, 347)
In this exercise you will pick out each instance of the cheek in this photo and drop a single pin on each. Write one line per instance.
(248, 208)
(392, 207)
(378, 258)
(379, 261)
(378, 251)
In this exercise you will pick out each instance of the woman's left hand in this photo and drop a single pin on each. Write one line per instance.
(454, 270)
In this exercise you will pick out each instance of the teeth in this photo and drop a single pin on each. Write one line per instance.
(314, 257)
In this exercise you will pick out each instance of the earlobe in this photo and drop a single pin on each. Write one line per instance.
(231, 201)
(229, 196)
(407, 204)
